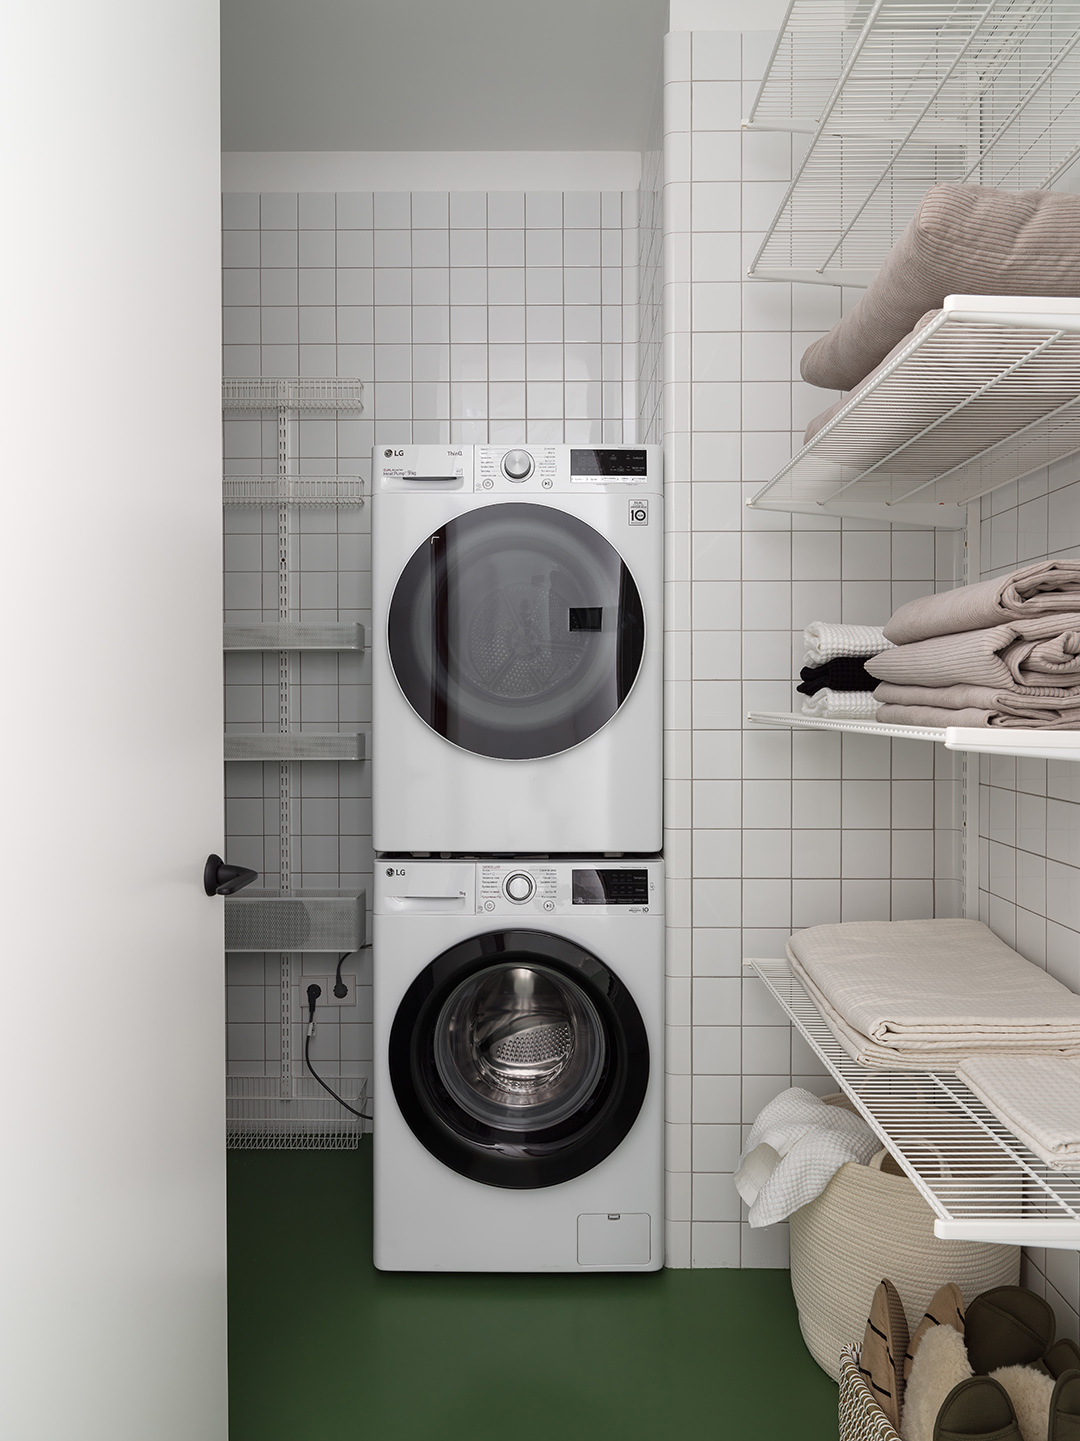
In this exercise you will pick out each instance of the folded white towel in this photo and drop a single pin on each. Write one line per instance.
(826, 639)
(795, 1147)
(933, 988)
(829, 704)
(1036, 1097)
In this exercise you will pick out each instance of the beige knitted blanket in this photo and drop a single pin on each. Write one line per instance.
(1049, 587)
(1041, 653)
(925, 993)
(976, 705)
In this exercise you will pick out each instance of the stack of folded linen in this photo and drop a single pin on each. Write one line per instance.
(927, 995)
(999, 653)
(834, 676)
(1036, 1097)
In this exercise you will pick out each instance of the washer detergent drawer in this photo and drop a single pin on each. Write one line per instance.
(622, 1239)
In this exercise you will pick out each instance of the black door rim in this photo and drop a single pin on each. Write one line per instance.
(516, 1159)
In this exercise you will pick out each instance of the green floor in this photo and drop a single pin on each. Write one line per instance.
(322, 1347)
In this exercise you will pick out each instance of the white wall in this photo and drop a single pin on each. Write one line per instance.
(111, 968)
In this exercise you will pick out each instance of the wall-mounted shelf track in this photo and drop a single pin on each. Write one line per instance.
(297, 920)
(897, 95)
(294, 746)
(987, 391)
(259, 1118)
(257, 393)
(294, 635)
(1035, 744)
(980, 1181)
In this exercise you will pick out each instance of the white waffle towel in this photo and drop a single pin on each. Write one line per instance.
(829, 704)
(795, 1147)
(826, 639)
(1036, 1097)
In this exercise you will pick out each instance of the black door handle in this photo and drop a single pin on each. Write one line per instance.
(222, 880)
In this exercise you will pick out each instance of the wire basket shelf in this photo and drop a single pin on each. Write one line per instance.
(980, 1181)
(986, 392)
(321, 490)
(897, 95)
(294, 746)
(292, 394)
(293, 635)
(259, 1118)
(290, 921)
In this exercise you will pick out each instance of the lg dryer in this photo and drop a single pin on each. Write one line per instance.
(517, 664)
(519, 1065)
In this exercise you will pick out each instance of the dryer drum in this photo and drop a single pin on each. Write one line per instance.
(516, 631)
(519, 1059)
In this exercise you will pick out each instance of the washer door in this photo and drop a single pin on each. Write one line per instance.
(516, 631)
(519, 1059)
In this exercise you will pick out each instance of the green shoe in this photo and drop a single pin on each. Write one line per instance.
(1065, 1408)
(1009, 1326)
(979, 1410)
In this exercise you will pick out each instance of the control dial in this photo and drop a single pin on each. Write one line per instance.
(517, 465)
(519, 887)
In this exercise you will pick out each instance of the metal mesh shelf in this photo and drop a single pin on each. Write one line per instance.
(294, 635)
(980, 1182)
(259, 1118)
(293, 394)
(292, 490)
(900, 94)
(1035, 744)
(286, 921)
(986, 392)
(295, 746)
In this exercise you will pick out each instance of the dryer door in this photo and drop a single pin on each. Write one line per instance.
(516, 631)
(519, 1059)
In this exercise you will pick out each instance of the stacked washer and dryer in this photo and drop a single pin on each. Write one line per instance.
(519, 893)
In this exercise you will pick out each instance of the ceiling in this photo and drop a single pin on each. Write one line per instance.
(439, 74)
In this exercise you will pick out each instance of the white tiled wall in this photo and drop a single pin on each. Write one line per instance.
(1029, 810)
(767, 829)
(469, 317)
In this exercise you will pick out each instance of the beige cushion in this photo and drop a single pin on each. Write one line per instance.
(963, 240)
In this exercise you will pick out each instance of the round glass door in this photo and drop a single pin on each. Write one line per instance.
(516, 631)
(519, 1059)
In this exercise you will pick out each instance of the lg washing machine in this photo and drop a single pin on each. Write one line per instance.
(519, 1065)
(517, 649)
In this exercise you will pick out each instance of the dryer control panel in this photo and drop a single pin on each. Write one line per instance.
(516, 469)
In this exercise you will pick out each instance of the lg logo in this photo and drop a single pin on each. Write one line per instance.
(389, 453)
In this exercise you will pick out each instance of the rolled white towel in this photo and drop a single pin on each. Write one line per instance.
(826, 639)
(841, 705)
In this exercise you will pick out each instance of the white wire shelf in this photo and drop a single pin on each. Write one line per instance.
(293, 635)
(978, 1179)
(300, 920)
(898, 95)
(257, 393)
(294, 746)
(986, 392)
(259, 1118)
(323, 490)
(1035, 744)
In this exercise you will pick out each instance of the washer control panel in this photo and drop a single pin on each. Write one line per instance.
(539, 887)
(525, 469)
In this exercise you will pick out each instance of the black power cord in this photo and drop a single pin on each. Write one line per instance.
(341, 990)
(314, 991)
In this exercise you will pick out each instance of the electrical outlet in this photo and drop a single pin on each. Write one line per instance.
(327, 998)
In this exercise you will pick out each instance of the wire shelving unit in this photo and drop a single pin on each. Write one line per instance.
(294, 635)
(980, 1181)
(259, 1118)
(987, 391)
(898, 95)
(294, 746)
(1035, 744)
(300, 920)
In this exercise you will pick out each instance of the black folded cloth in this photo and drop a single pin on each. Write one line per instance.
(845, 672)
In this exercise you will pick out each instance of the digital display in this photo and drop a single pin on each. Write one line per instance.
(609, 462)
(610, 888)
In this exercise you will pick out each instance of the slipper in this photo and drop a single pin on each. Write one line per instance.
(1008, 1326)
(1063, 1355)
(1065, 1408)
(881, 1360)
(946, 1308)
(978, 1410)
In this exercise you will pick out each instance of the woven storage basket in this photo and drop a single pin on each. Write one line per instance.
(866, 1225)
(861, 1418)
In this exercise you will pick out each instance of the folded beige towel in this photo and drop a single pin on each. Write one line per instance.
(1036, 1097)
(977, 705)
(1040, 652)
(1046, 588)
(935, 986)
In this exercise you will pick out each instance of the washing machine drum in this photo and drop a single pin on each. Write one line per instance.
(516, 631)
(519, 1059)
